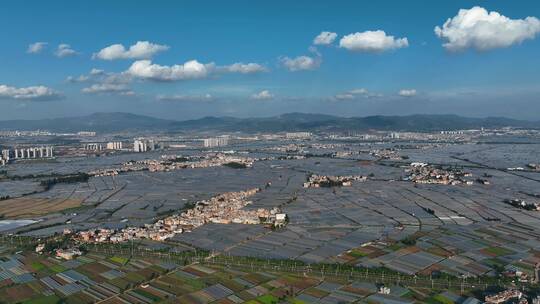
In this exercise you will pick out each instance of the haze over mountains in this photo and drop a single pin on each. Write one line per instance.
(118, 121)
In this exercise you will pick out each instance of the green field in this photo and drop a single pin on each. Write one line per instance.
(37, 266)
(267, 299)
(119, 260)
(57, 268)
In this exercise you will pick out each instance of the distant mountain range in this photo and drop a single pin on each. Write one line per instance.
(116, 122)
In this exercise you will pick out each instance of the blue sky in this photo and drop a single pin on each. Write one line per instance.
(252, 58)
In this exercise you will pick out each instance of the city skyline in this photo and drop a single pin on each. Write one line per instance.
(182, 61)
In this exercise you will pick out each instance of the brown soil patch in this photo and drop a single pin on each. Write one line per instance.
(25, 207)
(20, 292)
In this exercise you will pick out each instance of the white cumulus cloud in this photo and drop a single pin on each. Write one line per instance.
(244, 68)
(64, 50)
(407, 92)
(325, 38)
(140, 50)
(36, 48)
(101, 76)
(192, 69)
(95, 71)
(263, 95)
(372, 41)
(29, 93)
(482, 30)
(301, 63)
(98, 81)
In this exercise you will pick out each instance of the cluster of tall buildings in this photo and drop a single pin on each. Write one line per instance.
(215, 142)
(139, 145)
(113, 145)
(93, 147)
(26, 153)
(33, 152)
(143, 145)
(298, 135)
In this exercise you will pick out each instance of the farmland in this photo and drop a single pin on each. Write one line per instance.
(381, 228)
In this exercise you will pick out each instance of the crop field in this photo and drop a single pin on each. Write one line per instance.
(28, 207)
(117, 274)
(386, 221)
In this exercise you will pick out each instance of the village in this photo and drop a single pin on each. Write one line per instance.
(423, 173)
(226, 208)
(316, 181)
(175, 162)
